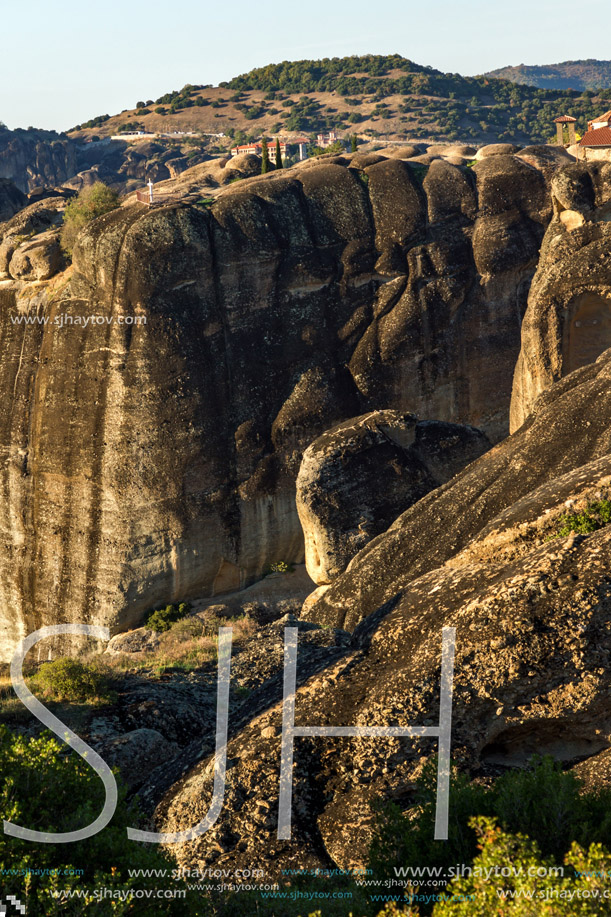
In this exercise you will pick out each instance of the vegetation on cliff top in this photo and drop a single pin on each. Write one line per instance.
(90, 203)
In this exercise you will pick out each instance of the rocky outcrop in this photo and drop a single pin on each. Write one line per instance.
(569, 428)
(161, 402)
(11, 199)
(29, 242)
(30, 158)
(568, 320)
(531, 611)
(359, 476)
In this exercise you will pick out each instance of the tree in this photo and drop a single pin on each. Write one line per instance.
(353, 143)
(264, 157)
(91, 202)
(279, 164)
(48, 788)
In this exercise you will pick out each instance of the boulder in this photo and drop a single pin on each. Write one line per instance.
(39, 259)
(403, 152)
(33, 229)
(569, 428)
(359, 476)
(496, 149)
(247, 164)
(545, 157)
(140, 640)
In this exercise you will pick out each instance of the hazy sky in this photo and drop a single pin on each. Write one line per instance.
(65, 62)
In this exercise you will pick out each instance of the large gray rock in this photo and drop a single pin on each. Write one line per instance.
(39, 259)
(569, 428)
(359, 476)
(136, 753)
(568, 321)
(31, 240)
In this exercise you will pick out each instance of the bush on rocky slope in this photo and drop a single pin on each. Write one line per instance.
(48, 789)
(92, 202)
(542, 801)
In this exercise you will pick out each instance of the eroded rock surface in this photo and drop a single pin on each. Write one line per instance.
(32, 157)
(569, 428)
(533, 642)
(162, 399)
(359, 476)
(568, 321)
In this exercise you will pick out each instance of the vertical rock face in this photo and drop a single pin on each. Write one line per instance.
(458, 252)
(159, 403)
(359, 476)
(568, 321)
(568, 429)
(32, 158)
(11, 199)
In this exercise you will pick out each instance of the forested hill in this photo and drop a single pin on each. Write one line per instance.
(374, 96)
(572, 74)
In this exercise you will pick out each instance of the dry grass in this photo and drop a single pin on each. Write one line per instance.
(189, 644)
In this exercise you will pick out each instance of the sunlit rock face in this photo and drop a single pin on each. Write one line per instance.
(568, 321)
(31, 158)
(155, 417)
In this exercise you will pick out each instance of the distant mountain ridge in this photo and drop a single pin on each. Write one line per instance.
(374, 96)
(571, 74)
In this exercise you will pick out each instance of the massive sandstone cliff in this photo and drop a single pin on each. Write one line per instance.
(568, 320)
(151, 454)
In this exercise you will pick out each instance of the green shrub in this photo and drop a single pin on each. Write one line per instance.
(541, 800)
(595, 516)
(47, 788)
(491, 892)
(90, 203)
(280, 566)
(72, 680)
(161, 619)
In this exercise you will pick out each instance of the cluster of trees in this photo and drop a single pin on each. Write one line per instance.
(321, 75)
(454, 106)
(94, 122)
(46, 789)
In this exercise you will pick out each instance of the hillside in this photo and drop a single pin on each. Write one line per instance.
(379, 98)
(572, 74)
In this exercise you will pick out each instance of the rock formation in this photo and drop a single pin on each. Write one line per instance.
(166, 387)
(568, 320)
(533, 644)
(29, 242)
(30, 158)
(359, 476)
(568, 429)
(11, 199)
